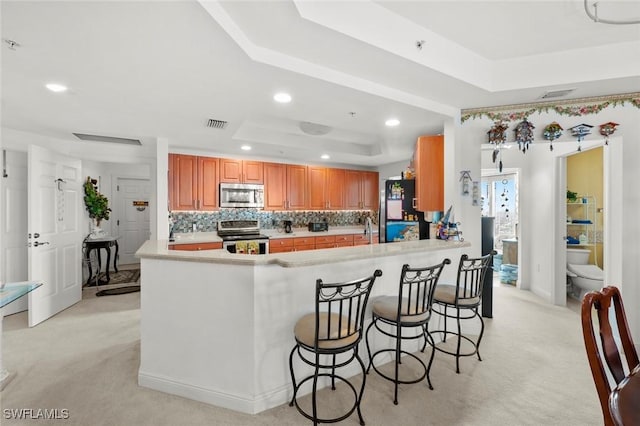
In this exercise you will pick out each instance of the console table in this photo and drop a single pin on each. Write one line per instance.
(9, 293)
(97, 244)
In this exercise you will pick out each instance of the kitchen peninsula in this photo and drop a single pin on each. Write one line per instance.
(217, 327)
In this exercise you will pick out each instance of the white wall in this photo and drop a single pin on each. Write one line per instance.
(540, 199)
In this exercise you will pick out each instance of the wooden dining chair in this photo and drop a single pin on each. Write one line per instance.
(609, 360)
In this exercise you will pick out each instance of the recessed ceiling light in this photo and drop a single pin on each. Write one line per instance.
(245, 148)
(283, 98)
(325, 156)
(54, 87)
(392, 122)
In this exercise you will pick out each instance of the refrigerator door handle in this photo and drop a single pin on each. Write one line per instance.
(413, 202)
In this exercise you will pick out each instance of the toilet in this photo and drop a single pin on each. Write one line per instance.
(583, 276)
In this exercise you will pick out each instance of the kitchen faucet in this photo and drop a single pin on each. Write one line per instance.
(368, 229)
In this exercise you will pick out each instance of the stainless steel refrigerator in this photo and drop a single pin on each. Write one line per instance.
(399, 220)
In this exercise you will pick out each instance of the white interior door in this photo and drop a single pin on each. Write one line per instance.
(134, 226)
(55, 237)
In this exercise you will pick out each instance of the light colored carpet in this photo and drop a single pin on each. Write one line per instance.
(85, 359)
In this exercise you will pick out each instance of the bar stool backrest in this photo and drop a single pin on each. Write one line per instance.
(613, 355)
(417, 286)
(471, 272)
(343, 306)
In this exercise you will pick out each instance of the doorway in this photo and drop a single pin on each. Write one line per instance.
(132, 223)
(585, 207)
(500, 201)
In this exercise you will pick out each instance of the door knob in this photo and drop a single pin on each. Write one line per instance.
(36, 244)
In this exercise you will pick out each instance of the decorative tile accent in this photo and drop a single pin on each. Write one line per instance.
(208, 221)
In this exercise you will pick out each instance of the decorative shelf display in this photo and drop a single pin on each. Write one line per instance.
(581, 221)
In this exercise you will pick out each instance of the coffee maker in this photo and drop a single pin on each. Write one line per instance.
(287, 226)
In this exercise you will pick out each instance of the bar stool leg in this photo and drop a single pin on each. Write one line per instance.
(293, 377)
(459, 342)
(481, 333)
(364, 380)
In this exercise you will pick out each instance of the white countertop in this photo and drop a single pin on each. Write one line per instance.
(212, 237)
(158, 249)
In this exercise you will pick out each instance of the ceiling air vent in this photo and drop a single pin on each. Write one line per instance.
(557, 93)
(217, 124)
(109, 139)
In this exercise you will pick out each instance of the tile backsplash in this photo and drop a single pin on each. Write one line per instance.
(208, 221)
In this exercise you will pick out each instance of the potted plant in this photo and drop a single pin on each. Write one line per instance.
(97, 205)
(572, 197)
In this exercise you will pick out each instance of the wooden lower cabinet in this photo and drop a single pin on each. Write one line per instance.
(283, 245)
(280, 245)
(326, 241)
(304, 243)
(196, 246)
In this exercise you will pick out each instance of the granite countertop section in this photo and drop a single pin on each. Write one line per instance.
(158, 249)
(212, 237)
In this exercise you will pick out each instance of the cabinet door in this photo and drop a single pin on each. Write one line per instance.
(318, 188)
(253, 172)
(275, 186)
(429, 166)
(370, 190)
(297, 196)
(353, 189)
(207, 183)
(196, 246)
(336, 188)
(280, 245)
(184, 170)
(230, 170)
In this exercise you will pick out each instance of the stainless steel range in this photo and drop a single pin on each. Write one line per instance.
(243, 236)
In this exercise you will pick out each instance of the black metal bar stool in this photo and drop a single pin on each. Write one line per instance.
(410, 309)
(335, 328)
(464, 296)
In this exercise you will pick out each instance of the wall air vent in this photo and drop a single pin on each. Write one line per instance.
(109, 139)
(556, 93)
(217, 124)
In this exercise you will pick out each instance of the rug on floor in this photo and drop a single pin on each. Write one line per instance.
(118, 290)
(121, 277)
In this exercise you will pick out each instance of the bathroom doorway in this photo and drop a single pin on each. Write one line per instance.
(585, 207)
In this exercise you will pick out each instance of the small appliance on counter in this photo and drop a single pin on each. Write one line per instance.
(318, 226)
(287, 226)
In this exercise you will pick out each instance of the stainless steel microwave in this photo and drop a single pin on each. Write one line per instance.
(241, 195)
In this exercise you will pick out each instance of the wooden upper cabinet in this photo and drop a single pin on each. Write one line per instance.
(194, 182)
(361, 190)
(429, 166)
(318, 189)
(353, 187)
(370, 190)
(207, 184)
(297, 193)
(326, 188)
(335, 188)
(275, 186)
(183, 173)
(285, 187)
(241, 171)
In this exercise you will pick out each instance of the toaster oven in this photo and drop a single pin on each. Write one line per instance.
(318, 226)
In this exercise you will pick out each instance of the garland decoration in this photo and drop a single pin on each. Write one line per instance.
(573, 108)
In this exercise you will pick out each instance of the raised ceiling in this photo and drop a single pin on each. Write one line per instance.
(147, 70)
